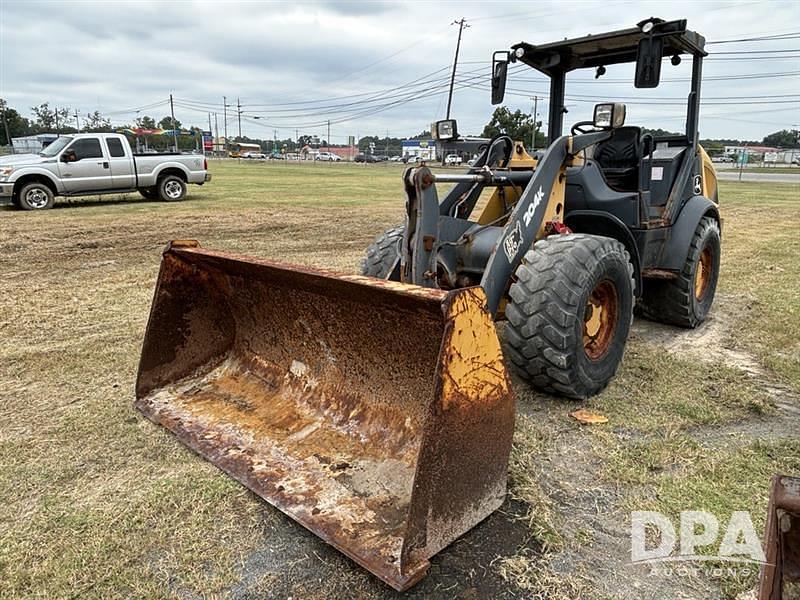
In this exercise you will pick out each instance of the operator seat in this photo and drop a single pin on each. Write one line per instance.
(620, 156)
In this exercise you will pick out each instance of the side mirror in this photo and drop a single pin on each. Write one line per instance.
(609, 116)
(444, 130)
(499, 74)
(69, 156)
(648, 62)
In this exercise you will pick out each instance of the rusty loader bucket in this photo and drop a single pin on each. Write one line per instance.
(376, 414)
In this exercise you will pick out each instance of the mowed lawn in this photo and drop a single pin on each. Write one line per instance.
(96, 501)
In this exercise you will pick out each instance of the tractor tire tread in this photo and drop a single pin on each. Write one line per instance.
(547, 298)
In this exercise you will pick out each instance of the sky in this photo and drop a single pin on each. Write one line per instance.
(380, 68)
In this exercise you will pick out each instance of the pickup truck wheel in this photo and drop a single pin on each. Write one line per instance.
(171, 188)
(35, 196)
(150, 193)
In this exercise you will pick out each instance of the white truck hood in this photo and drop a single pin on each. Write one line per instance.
(22, 159)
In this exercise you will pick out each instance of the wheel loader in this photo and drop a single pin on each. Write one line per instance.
(376, 409)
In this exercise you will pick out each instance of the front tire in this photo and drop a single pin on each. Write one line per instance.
(686, 300)
(570, 313)
(171, 188)
(383, 253)
(35, 196)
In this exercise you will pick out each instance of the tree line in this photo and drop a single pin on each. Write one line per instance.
(517, 124)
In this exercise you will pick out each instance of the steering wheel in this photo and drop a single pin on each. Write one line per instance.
(583, 127)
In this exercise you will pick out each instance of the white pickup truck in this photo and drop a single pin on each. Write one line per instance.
(88, 164)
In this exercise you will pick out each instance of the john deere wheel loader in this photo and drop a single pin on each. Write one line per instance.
(376, 410)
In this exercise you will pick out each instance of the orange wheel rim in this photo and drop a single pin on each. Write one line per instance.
(600, 320)
(702, 274)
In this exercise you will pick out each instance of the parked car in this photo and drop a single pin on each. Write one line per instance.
(721, 159)
(96, 163)
(452, 159)
(413, 159)
(328, 156)
(365, 158)
(396, 159)
(255, 155)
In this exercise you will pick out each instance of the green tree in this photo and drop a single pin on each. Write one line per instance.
(166, 123)
(48, 119)
(518, 126)
(783, 138)
(146, 122)
(18, 125)
(96, 123)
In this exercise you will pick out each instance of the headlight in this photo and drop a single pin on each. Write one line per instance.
(5, 172)
(444, 130)
(609, 116)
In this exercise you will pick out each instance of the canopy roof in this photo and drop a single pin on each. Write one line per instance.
(610, 48)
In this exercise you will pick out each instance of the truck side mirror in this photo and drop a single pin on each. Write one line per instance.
(648, 62)
(499, 74)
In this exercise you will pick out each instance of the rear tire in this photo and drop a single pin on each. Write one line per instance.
(150, 193)
(686, 300)
(35, 196)
(570, 313)
(383, 253)
(171, 188)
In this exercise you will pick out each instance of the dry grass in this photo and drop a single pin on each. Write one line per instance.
(95, 501)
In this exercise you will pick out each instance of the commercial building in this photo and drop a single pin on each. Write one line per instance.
(424, 149)
(32, 144)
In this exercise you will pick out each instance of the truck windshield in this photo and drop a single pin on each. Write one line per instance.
(57, 146)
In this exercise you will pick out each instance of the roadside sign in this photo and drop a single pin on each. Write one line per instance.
(770, 157)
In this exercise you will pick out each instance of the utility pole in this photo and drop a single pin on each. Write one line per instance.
(535, 121)
(225, 121)
(239, 112)
(461, 24)
(174, 132)
(328, 140)
(211, 133)
(215, 144)
(56, 113)
(77, 121)
(5, 122)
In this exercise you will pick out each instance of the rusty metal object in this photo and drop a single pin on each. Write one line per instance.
(379, 415)
(653, 273)
(781, 573)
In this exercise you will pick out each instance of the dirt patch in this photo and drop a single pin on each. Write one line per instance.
(715, 340)
(292, 562)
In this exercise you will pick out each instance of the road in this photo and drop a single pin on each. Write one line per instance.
(772, 177)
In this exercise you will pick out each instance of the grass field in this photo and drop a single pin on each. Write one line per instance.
(96, 501)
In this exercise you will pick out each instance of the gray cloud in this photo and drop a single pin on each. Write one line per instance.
(117, 56)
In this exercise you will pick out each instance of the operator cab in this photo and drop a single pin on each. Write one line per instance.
(630, 170)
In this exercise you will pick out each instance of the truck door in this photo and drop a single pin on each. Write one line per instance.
(89, 171)
(121, 162)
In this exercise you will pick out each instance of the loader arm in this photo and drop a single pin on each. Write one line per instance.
(541, 201)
